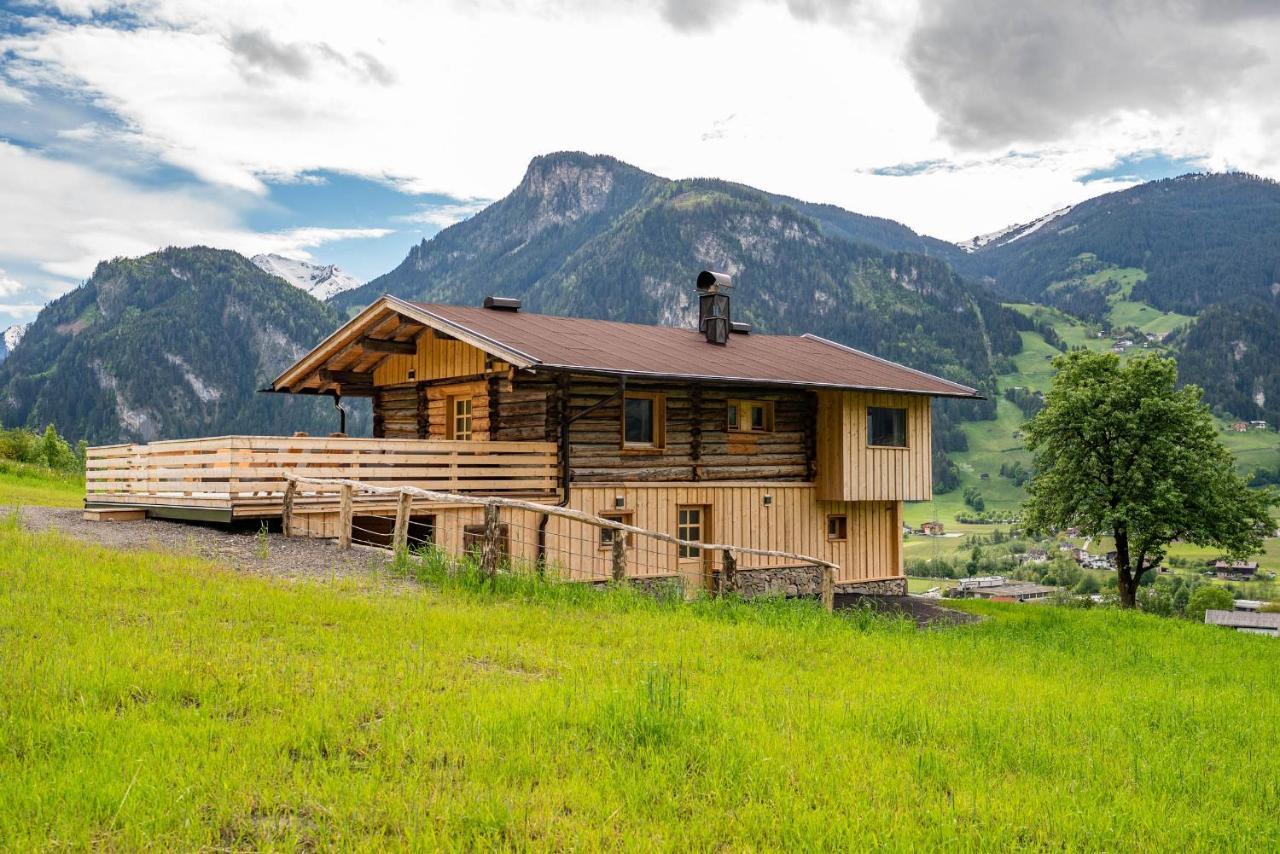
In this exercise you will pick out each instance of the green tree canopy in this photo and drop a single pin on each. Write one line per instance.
(1210, 596)
(1120, 449)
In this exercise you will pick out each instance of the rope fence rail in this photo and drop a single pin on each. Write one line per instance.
(632, 552)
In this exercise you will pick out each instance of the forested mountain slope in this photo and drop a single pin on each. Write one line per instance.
(1200, 239)
(173, 344)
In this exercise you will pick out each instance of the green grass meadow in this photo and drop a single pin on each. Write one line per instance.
(153, 700)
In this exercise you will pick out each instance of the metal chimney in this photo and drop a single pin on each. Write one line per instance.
(714, 320)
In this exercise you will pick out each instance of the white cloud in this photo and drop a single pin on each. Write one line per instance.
(803, 97)
(20, 310)
(9, 286)
(67, 217)
(443, 216)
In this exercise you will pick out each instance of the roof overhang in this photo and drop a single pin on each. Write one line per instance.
(346, 353)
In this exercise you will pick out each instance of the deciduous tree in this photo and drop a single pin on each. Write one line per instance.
(1121, 450)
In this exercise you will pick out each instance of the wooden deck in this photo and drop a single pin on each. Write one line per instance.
(231, 477)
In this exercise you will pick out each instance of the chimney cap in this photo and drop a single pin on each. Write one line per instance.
(501, 303)
(709, 279)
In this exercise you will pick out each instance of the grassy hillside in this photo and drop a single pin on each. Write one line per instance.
(27, 484)
(151, 700)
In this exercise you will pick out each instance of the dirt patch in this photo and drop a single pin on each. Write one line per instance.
(239, 547)
(925, 613)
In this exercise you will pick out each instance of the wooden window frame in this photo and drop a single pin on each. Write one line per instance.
(626, 517)
(659, 421)
(741, 409)
(681, 531)
(906, 428)
(451, 409)
(831, 517)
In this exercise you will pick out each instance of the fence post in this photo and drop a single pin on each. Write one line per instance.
(619, 555)
(728, 573)
(828, 588)
(489, 554)
(344, 517)
(400, 536)
(286, 511)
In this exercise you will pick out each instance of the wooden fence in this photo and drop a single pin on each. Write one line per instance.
(349, 491)
(249, 474)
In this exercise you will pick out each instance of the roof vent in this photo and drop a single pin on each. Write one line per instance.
(713, 306)
(739, 328)
(502, 303)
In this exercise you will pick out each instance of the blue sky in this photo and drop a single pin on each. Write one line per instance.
(301, 128)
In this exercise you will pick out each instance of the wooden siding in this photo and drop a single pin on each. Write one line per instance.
(795, 521)
(848, 469)
(437, 358)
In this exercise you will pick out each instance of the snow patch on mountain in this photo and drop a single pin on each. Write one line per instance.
(1012, 233)
(322, 281)
(10, 338)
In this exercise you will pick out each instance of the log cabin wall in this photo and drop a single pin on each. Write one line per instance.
(411, 391)
(850, 469)
(697, 444)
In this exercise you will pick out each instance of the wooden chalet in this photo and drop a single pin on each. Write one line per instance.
(792, 443)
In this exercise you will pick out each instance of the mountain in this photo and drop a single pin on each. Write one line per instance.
(1199, 240)
(1193, 261)
(10, 338)
(594, 237)
(321, 281)
(170, 345)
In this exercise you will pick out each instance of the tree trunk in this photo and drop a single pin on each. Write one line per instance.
(1127, 581)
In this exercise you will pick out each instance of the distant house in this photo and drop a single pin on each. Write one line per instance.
(1012, 591)
(1033, 556)
(1258, 425)
(932, 529)
(1240, 427)
(1245, 621)
(1239, 570)
(1121, 345)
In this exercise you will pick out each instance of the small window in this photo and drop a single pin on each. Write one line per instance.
(838, 527)
(886, 427)
(689, 527)
(750, 416)
(643, 418)
(460, 418)
(607, 534)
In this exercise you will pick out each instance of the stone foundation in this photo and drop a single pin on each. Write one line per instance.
(658, 586)
(789, 581)
(888, 587)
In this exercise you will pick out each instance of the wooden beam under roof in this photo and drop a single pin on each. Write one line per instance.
(355, 378)
(389, 345)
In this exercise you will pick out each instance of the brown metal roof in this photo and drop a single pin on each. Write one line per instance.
(636, 349)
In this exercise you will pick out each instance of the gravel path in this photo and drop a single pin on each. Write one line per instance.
(238, 548)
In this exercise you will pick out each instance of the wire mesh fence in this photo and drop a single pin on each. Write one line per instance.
(506, 535)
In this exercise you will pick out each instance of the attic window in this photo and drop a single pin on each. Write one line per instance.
(886, 427)
(750, 416)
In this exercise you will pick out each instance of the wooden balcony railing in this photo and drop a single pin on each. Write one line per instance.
(246, 474)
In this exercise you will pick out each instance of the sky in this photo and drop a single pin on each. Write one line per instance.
(346, 132)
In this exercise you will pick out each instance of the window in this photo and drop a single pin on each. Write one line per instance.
(750, 416)
(886, 427)
(607, 534)
(689, 527)
(838, 527)
(643, 417)
(459, 417)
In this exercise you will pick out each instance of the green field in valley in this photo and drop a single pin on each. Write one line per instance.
(153, 700)
(999, 442)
